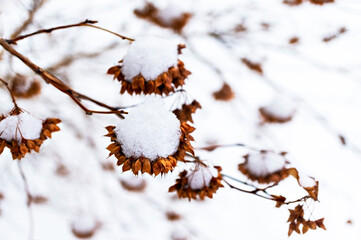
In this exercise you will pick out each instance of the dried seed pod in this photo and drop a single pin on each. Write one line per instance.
(85, 227)
(25, 87)
(169, 17)
(23, 133)
(292, 2)
(151, 65)
(294, 40)
(134, 184)
(264, 167)
(185, 113)
(224, 94)
(321, 2)
(173, 216)
(254, 66)
(280, 110)
(150, 139)
(201, 182)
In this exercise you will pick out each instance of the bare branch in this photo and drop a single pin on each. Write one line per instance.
(60, 85)
(86, 23)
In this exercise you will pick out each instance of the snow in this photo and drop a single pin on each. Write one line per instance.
(201, 176)
(305, 180)
(263, 164)
(312, 73)
(281, 107)
(170, 12)
(149, 130)
(84, 225)
(20, 126)
(149, 56)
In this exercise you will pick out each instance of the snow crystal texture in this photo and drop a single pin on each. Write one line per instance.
(263, 164)
(201, 177)
(149, 130)
(149, 56)
(20, 126)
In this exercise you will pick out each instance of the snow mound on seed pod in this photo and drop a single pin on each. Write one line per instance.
(16, 127)
(149, 130)
(170, 12)
(263, 164)
(306, 181)
(281, 107)
(149, 56)
(201, 177)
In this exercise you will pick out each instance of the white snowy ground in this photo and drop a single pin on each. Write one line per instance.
(323, 79)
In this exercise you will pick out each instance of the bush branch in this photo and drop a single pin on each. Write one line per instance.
(60, 85)
(86, 23)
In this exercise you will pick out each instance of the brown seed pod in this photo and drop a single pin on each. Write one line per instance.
(85, 227)
(25, 87)
(153, 14)
(164, 83)
(185, 113)
(292, 2)
(321, 2)
(146, 165)
(254, 66)
(263, 168)
(133, 185)
(21, 146)
(186, 188)
(224, 94)
(280, 110)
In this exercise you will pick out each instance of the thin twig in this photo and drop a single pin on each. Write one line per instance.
(257, 190)
(37, 4)
(86, 23)
(28, 201)
(10, 92)
(68, 60)
(215, 146)
(59, 84)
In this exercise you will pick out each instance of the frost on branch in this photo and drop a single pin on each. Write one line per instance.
(151, 65)
(170, 17)
(200, 182)
(280, 110)
(150, 139)
(264, 167)
(21, 132)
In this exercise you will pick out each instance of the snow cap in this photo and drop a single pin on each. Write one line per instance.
(16, 127)
(149, 56)
(149, 130)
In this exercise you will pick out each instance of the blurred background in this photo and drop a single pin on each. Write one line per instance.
(298, 58)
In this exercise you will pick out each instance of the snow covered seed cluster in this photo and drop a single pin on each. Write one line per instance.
(170, 17)
(280, 110)
(22, 132)
(264, 167)
(85, 227)
(200, 182)
(150, 139)
(151, 65)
